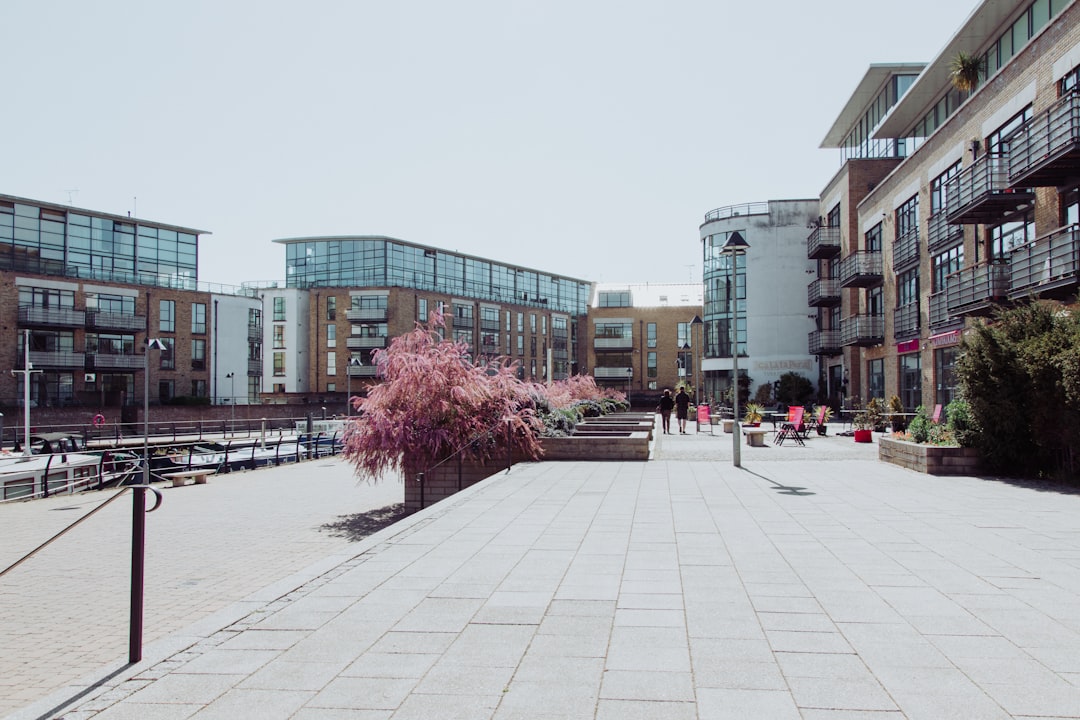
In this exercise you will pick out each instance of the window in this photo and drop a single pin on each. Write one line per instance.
(875, 378)
(614, 330)
(945, 374)
(119, 304)
(166, 390)
(421, 309)
(198, 354)
(1008, 236)
(684, 336)
(543, 324)
(907, 217)
(279, 336)
(331, 336)
(938, 199)
(911, 381)
(650, 334)
(997, 141)
(254, 318)
(279, 367)
(110, 344)
(521, 322)
(168, 356)
(532, 323)
(369, 302)
(198, 388)
(46, 298)
(520, 344)
(331, 363)
(945, 264)
(650, 365)
(907, 288)
(166, 316)
(614, 299)
(279, 387)
(872, 239)
(875, 302)
(279, 309)
(198, 318)
(331, 307)
(532, 345)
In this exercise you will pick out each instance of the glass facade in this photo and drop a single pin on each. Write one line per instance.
(55, 240)
(384, 262)
(718, 298)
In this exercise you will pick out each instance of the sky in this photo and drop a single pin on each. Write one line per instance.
(586, 138)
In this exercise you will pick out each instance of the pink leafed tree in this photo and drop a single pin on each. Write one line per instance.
(433, 401)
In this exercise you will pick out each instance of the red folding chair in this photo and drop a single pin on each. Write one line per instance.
(793, 427)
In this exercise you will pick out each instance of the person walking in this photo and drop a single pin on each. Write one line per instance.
(667, 404)
(682, 409)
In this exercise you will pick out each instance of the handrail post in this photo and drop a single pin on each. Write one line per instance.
(138, 551)
(420, 479)
(509, 445)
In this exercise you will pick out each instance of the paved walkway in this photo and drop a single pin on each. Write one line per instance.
(812, 583)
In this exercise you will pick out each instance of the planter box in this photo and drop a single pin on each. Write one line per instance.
(929, 459)
(631, 446)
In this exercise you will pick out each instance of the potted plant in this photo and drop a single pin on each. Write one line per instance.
(824, 414)
(869, 419)
(754, 413)
(896, 418)
(965, 70)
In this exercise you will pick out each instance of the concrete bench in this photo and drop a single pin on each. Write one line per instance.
(179, 479)
(755, 437)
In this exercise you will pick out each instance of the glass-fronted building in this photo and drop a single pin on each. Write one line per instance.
(374, 261)
(50, 239)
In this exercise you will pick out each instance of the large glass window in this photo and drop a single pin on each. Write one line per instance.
(279, 336)
(872, 239)
(938, 199)
(331, 363)
(614, 299)
(907, 288)
(198, 354)
(46, 298)
(198, 318)
(875, 379)
(945, 264)
(166, 316)
(1006, 237)
(331, 307)
(118, 304)
(110, 344)
(331, 336)
(907, 217)
(650, 366)
(945, 375)
(168, 354)
(650, 334)
(279, 309)
(911, 381)
(279, 364)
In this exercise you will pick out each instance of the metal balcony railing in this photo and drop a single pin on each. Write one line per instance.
(362, 370)
(612, 343)
(464, 323)
(609, 373)
(42, 359)
(489, 325)
(356, 342)
(823, 292)
(939, 310)
(111, 361)
(254, 368)
(823, 243)
(115, 321)
(824, 342)
(862, 330)
(366, 315)
(1047, 266)
(982, 193)
(978, 289)
(907, 320)
(65, 317)
(940, 234)
(860, 269)
(1044, 151)
(906, 249)
(255, 333)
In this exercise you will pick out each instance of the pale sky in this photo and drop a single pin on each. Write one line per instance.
(582, 138)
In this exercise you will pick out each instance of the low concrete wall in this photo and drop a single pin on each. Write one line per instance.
(632, 446)
(929, 459)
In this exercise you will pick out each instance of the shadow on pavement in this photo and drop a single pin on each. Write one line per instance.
(357, 527)
(783, 489)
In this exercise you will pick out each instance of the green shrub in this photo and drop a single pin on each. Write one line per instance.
(920, 426)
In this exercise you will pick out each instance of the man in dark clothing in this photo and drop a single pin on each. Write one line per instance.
(682, 409)
(667, 404)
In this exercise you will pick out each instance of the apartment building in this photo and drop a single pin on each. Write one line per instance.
(645, 337)
(80, 293)
(767, 309)
(346, 297)
(949, 203)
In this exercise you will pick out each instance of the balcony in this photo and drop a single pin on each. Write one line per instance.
(862, 330)
(1047, 266)
(940, 234)
(977, 290)
(906, 321)
(255, 333)
(254, 368)
(53, 359)
(906, 249)
(611, 373)
(463, 323)
(366, 315)
(113, 361)
(115, 321)
(940, 316)
(1045, 151)
(982, 193)
(489, 325)
(363, 371)
(823, 243)
(613, 343)
(56, 317)
(860, 269)
(356, 342)
(825, 342)
(823, 292)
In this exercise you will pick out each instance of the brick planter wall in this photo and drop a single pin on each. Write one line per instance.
(929, 459)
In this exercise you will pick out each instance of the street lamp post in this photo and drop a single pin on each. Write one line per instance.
(735, 246)
(151, 344)
(231, 377)
(697, 358)
(629, 378)
(353, 362)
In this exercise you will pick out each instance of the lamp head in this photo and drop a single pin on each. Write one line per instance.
(736, 243)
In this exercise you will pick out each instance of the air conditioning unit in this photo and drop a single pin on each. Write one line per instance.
(90, 377)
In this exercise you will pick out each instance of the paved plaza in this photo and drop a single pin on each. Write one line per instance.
(811, 583)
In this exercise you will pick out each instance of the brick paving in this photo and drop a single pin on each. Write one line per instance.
(812, 583)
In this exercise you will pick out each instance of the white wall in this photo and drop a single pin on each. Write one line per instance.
(228, 326)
